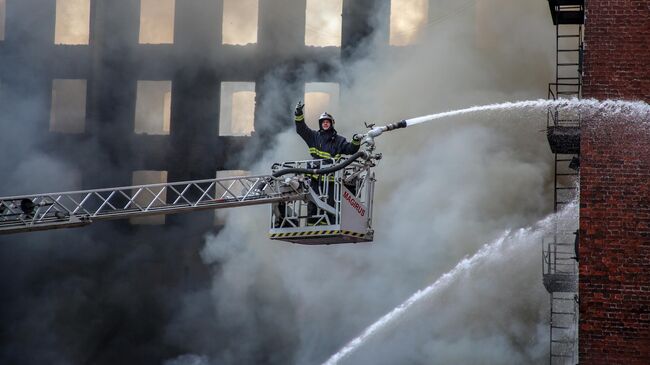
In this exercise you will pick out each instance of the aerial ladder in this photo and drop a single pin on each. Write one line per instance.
(338, 211)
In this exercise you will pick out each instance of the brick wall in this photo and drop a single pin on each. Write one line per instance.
(617, 49)
(615, 189)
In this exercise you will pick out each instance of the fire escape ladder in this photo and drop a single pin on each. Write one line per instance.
(563, 328)
(561, 281)
(560, 269)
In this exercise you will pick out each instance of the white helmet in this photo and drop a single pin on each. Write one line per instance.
(324, 116)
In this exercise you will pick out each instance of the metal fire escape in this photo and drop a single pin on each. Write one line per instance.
(560, 267)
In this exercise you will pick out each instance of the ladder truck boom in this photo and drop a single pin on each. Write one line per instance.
(312, 202)
(77, 208)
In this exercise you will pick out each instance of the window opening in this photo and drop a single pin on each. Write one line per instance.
(320, 97)
(2, 19)
(72, 25)
(323, 21)
(239, 25)
(157, 21)
(220, 214)
(407, 20)
(237, 112)
(144, 177)
(153, 107)
(71, 180)
(68, 109)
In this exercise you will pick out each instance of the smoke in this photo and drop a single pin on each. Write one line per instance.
(98, 295)
(112, 293)
(474, 273)
(324, 295)
(443, 190)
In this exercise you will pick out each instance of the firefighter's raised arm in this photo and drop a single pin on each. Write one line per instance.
(301, 127)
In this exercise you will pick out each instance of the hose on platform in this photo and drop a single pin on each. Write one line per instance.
(323, 171)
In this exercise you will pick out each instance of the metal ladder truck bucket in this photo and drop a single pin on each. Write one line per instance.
(338, 208)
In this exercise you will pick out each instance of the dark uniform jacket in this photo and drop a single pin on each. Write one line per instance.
(324, 144)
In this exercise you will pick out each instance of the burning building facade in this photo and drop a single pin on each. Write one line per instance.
(128, 92)
(121, 92)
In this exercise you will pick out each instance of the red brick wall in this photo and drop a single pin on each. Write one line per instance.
(615, 189)
(617, 49)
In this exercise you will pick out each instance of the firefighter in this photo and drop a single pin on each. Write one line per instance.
(324, 144)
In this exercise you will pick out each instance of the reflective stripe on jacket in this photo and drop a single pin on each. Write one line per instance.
(324, 144)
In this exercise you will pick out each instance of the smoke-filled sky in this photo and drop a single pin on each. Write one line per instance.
(444, 189)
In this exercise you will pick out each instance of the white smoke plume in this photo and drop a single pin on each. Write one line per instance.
(444, 189)
(474, 273)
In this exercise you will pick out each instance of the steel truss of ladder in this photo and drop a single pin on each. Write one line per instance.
(77, 208)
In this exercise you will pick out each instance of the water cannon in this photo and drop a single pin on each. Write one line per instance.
(369, 138)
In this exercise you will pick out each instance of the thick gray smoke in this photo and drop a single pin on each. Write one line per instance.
(444, 189)
(86, 296)
(492, 333)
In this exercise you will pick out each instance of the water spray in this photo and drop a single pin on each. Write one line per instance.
(589, 108)
(507, 240)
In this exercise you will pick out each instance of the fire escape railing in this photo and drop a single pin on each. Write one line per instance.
(559, 251)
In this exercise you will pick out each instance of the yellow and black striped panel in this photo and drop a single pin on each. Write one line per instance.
(315, 233)
(353, 234)
(305, 234)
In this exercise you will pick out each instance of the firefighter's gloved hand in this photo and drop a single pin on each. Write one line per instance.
(299, 107)
(357, 137)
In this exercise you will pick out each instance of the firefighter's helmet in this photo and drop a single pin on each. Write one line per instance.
(324, 116)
